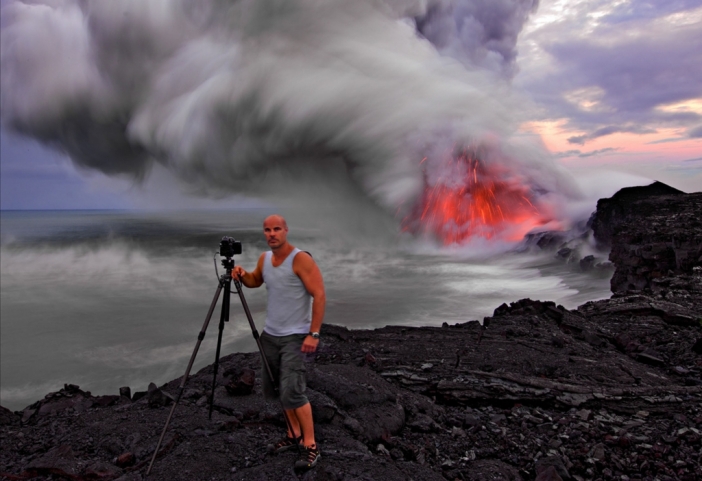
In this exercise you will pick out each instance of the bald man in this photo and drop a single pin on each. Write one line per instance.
(294, 317)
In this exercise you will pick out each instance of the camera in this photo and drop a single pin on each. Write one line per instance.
(229, 247)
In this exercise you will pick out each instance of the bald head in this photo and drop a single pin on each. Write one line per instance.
(275, 219)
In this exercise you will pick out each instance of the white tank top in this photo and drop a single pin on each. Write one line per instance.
(289, 304)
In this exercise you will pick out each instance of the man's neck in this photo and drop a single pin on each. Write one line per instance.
(283, 251)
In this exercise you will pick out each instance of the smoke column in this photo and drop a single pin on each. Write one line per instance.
(408, 96)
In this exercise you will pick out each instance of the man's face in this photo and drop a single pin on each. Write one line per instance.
(275, 231)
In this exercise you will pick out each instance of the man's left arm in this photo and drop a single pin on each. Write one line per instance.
(307, 270)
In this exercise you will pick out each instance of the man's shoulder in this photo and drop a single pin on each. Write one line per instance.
(303, 255)
(263, 256)
(303, 261)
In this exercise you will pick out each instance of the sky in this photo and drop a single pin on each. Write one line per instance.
(611, 86)
(619, 84)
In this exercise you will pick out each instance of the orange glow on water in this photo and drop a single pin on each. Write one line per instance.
(474, 199)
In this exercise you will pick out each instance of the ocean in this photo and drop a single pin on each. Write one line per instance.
(105, 299)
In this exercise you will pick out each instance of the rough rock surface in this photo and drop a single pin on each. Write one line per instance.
(610, 390)
(654, 232)
(614, 211)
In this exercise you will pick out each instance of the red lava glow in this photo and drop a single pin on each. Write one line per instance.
(474, 199)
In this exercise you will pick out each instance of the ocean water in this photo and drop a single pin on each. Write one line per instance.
(104, 299)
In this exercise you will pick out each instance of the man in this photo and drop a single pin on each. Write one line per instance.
(294, 317)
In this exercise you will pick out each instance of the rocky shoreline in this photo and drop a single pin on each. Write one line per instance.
(610, 390)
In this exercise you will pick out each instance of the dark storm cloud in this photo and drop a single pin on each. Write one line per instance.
(627, 68)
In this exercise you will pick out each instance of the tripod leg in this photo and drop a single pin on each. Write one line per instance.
(200, 337)
(256, 336)
(224, 317)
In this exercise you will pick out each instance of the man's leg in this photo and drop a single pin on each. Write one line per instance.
(292, 393)
(271, 351)
(310, 455)
(292, 388)
(292, 423)
(301, 419)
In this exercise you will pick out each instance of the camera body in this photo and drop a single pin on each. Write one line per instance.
(229, 247)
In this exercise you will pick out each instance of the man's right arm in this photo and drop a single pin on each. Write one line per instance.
(253, 278)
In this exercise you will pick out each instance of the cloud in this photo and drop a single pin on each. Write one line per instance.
(648, 9)
(608, 130)
(478, 32)
(579, 153)
(616, 69)
(567, 153)
(695, 133)
(597, 152)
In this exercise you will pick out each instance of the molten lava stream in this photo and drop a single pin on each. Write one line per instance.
(483, 201)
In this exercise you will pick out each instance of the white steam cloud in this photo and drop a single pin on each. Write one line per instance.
(225, 92)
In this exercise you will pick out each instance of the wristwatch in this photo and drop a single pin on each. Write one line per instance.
(315, 335)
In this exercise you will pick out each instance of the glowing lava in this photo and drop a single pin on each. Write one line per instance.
(466, 198)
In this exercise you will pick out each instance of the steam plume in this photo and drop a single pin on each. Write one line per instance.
(222, 93)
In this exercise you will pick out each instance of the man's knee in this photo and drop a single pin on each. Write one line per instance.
(292, 389)
(294, 402)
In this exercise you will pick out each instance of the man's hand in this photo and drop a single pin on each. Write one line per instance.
(252, 278)
(310, 344)
(238, 272)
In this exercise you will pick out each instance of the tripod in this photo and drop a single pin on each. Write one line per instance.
(225, 282)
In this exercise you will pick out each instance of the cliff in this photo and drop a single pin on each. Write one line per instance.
(654, 232)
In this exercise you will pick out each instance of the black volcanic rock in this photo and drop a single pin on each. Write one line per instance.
(610, 390)
(8, 417)
(653, 235)
(455, 402)
(59, 461)
(612, 212)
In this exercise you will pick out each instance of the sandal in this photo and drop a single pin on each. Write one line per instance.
(308, 457)
(285, 444)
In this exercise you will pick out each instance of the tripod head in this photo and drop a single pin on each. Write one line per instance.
(228, 264)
